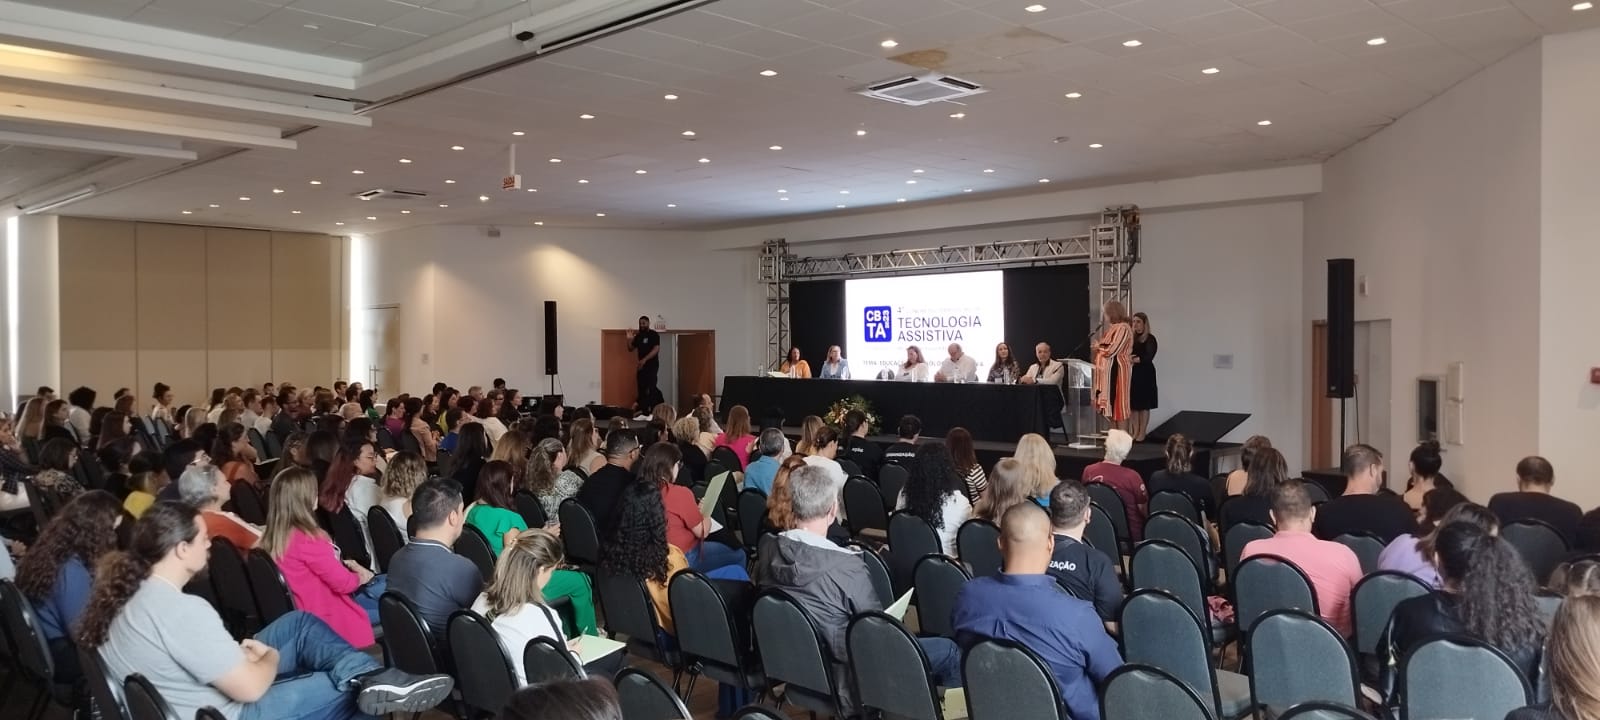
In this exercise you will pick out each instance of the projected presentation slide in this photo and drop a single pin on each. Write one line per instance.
(885, 315)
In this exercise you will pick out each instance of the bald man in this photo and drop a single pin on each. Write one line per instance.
(960, 367)
(1024, 604)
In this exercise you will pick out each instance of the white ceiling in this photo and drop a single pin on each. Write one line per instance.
(25, 167)
(1305, 65)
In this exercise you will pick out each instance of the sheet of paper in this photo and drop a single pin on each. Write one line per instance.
(708, 502)
(898, 609)
(715, 526)
(955, 704)
(593, 647)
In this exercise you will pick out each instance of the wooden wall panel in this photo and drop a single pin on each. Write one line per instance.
(103, 370)
(242, 368)
(97, 286)
(238, 290)
(184, 370)
(304, 290)
(172, 288)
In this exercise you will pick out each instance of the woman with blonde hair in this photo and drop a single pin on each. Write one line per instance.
(30, 425)
(514, 447)
(1573, 655)
(583, 447)
(1009, 486)
(406, 471)
(192, 421)
(1038, 466)
(1113, 363)
(736, 436)
(321, 584)
(514, 603)
(809, 427)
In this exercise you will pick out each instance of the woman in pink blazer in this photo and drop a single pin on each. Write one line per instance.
(321, 584)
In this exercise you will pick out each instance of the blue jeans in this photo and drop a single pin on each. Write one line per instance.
(367, 596)
(712, 555)
(315, 670)
(944, 659)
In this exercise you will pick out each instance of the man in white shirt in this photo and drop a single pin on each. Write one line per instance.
(1046, 371)
(960, 367)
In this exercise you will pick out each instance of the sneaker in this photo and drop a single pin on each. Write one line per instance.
(385, 691)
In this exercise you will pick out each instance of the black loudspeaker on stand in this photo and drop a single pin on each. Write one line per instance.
(550, 351)
(1341, 361)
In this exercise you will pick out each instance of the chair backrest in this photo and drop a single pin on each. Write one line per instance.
(1006, 680)
(406, 635)
(1233, 541)
(347, 534)
(1142, 691)
(891, 480)
(1159, 631)
(408, 442)
(273, 599)
(473, 546)
(626, 605)
(1175, 501)
(483, 672)
(1373, 601)
(258, 443)
(1324, 711)
(1106, 497)
(529, 507)
(752, 517)
(878, 571)
(1186, 534)
(910, 538)
(1101, 535)
(270, 439)
(849, 466)
(1366, 546)
(387, 539)
(101, 693)
(246, 500)
(938, 579)
(1460, 677)
(1318, 493)
(645, 697)
(28, 646)
(792, 651)
(230, 581)
(1542, 547)
(864, 506)
(144, 701)
(706, 629)
(546, 659)
(579, 535)
(1164, 566)
(1298, 657)
(891, 671)
(385, 438)
(978, 544)
(1268, 582)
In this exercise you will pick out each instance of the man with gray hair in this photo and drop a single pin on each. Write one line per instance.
(205, 488)
(770, 445)
(1124, 480)
(831, 582)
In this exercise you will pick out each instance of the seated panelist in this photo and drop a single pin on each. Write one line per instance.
(795, 366)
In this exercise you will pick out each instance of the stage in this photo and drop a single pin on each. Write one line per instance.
(1001, 413)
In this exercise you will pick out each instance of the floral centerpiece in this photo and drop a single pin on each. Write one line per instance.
(841, 407)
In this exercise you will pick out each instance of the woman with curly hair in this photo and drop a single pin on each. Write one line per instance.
(406, 472)
(549, 478)
(936, 492)
(56, 574)
(638, 548)
(687, 528)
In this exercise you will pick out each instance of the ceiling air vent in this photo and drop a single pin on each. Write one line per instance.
(382, 194)
(921, 89)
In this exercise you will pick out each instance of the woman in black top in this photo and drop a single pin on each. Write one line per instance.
(1487, 593)
(1267, 471)
(472, 452)
(1142, 397)
(1179, 475)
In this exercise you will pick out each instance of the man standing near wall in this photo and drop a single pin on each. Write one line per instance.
(647, 343)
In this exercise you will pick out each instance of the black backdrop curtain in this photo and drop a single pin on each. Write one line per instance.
(1043, 304)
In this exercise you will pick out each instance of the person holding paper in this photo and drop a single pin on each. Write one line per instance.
(687, 527)
(514, 606)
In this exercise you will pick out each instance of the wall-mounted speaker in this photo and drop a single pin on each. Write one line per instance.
(550, 352)
(1341, 328)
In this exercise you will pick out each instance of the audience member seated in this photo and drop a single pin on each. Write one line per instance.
(1486, 592)
(204, 488)
(141, 621)
(351, 483)
(114, 460)
(58, 424)
(637, 547)
(1083, 571)
(1254, 502)
(56, 574)
(1009, 485)
(406, 472)
(831, 582)
(965, 455)
(494, 513)
(780, 506)
(421, 430)
(1178, 476)
(488, 414)
(342, 594)
(514, 603)
(14, 468)
(684, 433)
(905, 446)
(1124, 480)
(583, 448)
(287, 422)
(1332, 568)
(737, 436)
(427, 571)
(113, 427)
(810, 425)
(1413, 554)
(1039, 464)
(1574, 664)
(863, 452)
(547, 477)
(1362, 509)
(937, 493)
(1533, 501)
(823, 453)
(471, 453)
(56, 460)
(1025, 604)
(706, 437)
(589, 699)
(1576, 578)
(177, 458)
(1425, 463)
(228, 453)
(687, 529)
(1240, 476)
(761, 472)
(143, 488)
(602, 492)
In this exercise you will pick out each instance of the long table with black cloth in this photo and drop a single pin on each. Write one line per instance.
(995, 412)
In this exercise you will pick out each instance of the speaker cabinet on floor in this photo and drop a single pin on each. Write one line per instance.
(1341, 328)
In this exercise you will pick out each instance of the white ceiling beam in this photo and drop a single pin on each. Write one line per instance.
(78, 114)
(99, 147)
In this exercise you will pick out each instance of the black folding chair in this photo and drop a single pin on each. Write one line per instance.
(1324, 711)
(644, 697)
(891, 671)
(30, 653)
(1460, 677)
(545, 659)
(230, 585)
(752, 518)
(483, 672)
(1235, 538)
(1186, 534)
(713, 638)
(1142, 691)
(144, 702)
(938, 580)
(1374, 600)
(247, 504)
(1101, 535)
(910, 539)
(878, 571)
(628, 610)
(347, 534)
(258, 443)
(387, 539)
(978, 543)
(1366, 546)
(579, 535)
(1157, 629)
(101, 692)
(1106, 497)
(273, 599)
(1178, 502)
(758, 712)
(793, 653)
(1542, 547)
(529, 507)
(409, 642)
(473, 546)
(1005, 680)
(1270, 582)
(891, 480)
(1296, 657)
(864, 506)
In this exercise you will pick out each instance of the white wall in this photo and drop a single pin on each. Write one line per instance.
(1569, 294)
(474, 304)
(1441, 213)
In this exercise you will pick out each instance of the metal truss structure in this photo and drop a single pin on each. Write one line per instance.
(1111, 249)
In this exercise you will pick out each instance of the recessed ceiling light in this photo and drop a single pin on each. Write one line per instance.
(444, 205)
(1074, 95)
(1036, 8)
(840, 206)
(483, 198)
(775, 147)
(1131, 43)
(669, 96)
(533, 189)
(1264, 122)
(188, 212)
(988, 170)
(958, 115)
(365, 198)
(586, 116)
(599, 214)
(911, 182)
(640, 171)
(449, 182)
(214, 205)
(316, 182)
(1211, 71)
(538, 222)
(859, 133)
(555, 160)
(966, 189)
(583, 182)
(688, 133)
(1583, 6)
(338, 223)
(1096, 146)
(889, 43)
(768, 73)
(782, 191)
(844, 192)
(297, 212)
(456, 147)
(899, 199)
(311, 26)
(245, 198)
(785, 198)
(518, 133)
(672, 205)
(917, 171)
(705, 160)
(358, 172)
(372, 217)
(277, 191)
(1378, 41)
(402, 212)
(1044, 180)
(405, 161)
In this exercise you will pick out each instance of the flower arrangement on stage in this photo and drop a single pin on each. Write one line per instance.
(841, 407)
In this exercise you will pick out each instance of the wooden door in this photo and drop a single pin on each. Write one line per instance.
(697, 365)
(619, 368)
(1321, 453)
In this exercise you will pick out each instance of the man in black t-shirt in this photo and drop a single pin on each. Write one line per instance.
(902, 451)
(647, 343)
(1533, 501)
(1081, 570)
(1361, 510)
(863, 452)
(601, 492)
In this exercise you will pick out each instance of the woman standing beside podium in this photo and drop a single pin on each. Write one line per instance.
(1112, 366)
